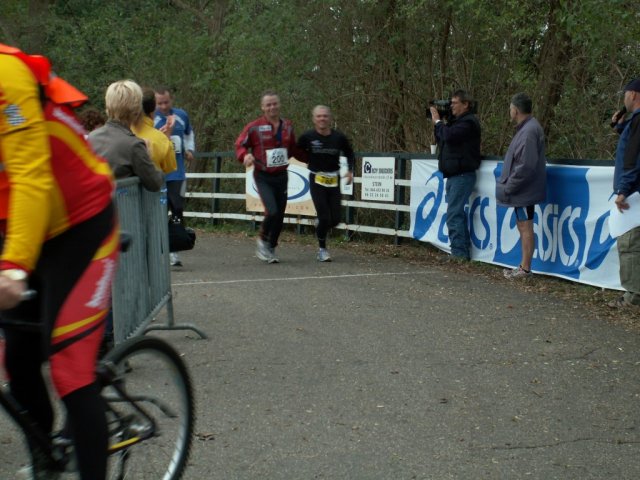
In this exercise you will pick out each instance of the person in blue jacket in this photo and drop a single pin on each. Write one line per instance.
(174, 122)
(626, 180)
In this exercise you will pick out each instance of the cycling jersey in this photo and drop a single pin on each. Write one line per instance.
(60, 226)
(45, 187)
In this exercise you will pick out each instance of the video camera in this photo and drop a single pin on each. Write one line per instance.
(443, 107)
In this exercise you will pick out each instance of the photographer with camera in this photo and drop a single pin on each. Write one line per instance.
(458, 137)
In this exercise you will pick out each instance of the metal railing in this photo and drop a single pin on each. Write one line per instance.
(142, 287)
(398, 228)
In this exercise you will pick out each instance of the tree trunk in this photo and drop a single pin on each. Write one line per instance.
(553, 67)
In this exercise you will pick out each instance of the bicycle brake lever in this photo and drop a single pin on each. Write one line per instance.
(28, 295)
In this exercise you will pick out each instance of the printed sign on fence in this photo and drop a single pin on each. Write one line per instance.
(298, 199)
(378, 174)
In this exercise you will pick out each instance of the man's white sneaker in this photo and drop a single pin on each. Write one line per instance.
(516, 273)
(262, 250)
(323, 255)
(174, 261)
(273, 258)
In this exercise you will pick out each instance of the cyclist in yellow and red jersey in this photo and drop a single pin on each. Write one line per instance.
(60, 238)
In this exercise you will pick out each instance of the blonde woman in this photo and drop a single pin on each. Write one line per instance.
(127, 154)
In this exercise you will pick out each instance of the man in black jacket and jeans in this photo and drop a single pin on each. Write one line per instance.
(458, 159)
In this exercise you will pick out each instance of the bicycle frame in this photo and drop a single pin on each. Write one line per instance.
(55, 455)
(107, 376)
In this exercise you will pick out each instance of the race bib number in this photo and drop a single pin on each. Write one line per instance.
(327, 179)
(177, 143)
(277, 157)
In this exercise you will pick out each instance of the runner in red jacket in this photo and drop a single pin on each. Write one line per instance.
(266, 144)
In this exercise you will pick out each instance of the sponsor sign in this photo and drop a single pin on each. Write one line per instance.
(378, 175)
(571, 229)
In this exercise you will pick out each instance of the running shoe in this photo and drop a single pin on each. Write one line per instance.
(323, 255)
(273, 258)
(516, 273)
(262, 250)
(621, 302)
(174, 260)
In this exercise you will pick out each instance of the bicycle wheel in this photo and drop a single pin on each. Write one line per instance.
(150, 411)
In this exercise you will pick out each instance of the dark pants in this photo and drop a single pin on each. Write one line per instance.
(327, 203)
(272, 188)
(175, 200)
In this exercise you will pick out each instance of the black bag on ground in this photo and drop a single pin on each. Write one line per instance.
(181, 238)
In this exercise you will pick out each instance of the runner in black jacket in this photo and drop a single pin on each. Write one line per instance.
(323, 146)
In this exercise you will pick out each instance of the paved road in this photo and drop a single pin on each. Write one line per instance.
(375, 368)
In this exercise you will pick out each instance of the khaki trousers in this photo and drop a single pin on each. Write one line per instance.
(629, 255)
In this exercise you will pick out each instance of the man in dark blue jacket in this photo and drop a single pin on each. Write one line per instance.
(459, 158)
(626, 181)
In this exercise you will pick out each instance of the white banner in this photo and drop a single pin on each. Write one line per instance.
(298, 196)
(299, 200)
(345, 189)
(571, 229)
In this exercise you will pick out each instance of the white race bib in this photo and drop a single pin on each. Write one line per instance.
(277, 157)
(177, 143)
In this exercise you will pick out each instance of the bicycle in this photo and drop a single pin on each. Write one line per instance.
(150, 413)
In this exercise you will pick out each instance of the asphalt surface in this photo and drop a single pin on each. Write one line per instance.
(375, 368)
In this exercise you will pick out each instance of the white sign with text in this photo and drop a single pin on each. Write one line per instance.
(378, 174)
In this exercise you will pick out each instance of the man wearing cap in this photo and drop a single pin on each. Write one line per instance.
(626, 180)
(523, 180)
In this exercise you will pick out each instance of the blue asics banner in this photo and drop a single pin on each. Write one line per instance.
(572, 238)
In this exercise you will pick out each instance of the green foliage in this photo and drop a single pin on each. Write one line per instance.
(375, 62)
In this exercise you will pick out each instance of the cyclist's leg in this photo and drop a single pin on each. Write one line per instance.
(23, 363)
(76, 270)
(88, 428)
(24, 357)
